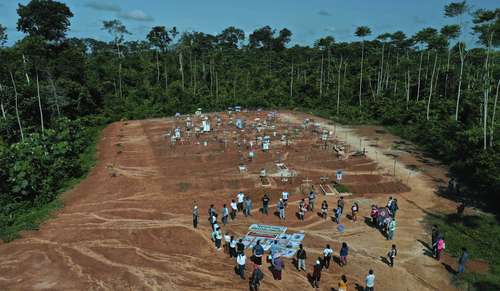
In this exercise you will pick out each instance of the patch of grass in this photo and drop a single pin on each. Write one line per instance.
(31, 216)
(480, 234)
(29, 219)
(341, 188)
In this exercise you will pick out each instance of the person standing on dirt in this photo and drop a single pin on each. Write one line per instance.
(225, 214)
(391, 228)
(247, 211)
(211, 211)
(278, 267)
(240, 261)
(312, 199)
(354, 212)
(284, 196)
(217, 238)
(227, 240)
(344, 252)
(440, 248)
(256, 278)
(327, 256)
(435, 236)
(324, 210)
(265, 204)
(240, 246)
(281, 209)
(337, 212)
(393, 252)
(301, 258)
(374, 214)
(394, 208)
(464, 258)
(370, 281)
(196, 215)
(213, 221)
(274, 249)
(258, 252)
(389, 202)
(302, 209)
(232, 247)
(316, 275)
(341, 204)
(240, 198)
(234, 209)
(343, 283)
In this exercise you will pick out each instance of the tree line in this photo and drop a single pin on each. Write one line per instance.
(430, 87)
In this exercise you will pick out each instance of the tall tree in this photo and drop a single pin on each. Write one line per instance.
(424, 36)
(230, 37)
(382, 38)
(457, 10)
(118, 31)
(487, 27)
(160, 37)
(46, 18)
(362, 32)
(3, 35)
(324, 43)
(449, 32)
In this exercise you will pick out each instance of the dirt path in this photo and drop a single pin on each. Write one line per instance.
(128, 225)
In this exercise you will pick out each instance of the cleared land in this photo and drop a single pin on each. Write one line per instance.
(128, 225)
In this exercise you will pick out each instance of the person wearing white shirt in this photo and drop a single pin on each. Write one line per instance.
(234, 209)
(240, 260)
(232, 247)
(284, 196)
(241, 198)
(327, 256)
(227, 240)
(370, 281)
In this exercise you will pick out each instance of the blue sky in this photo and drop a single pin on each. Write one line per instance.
(307, 19)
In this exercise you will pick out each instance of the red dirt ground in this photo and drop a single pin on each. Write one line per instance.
(128, 224)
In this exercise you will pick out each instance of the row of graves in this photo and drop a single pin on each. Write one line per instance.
(260, 133)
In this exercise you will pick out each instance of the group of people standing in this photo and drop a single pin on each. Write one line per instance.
(236, 248)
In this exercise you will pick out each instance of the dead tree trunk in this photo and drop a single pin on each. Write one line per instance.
(430, 91)
(492, 126)
(17, 105)
(462, 59)
(419, 75)
(39, 102)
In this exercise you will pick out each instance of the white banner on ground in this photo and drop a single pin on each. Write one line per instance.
(267, 234)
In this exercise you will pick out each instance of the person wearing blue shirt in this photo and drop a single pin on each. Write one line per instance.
(463, 260)
(258, 251)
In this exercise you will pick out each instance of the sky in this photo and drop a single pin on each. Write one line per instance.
(308, 20)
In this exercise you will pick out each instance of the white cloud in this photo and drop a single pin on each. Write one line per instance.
(102, 6)
(137, 15)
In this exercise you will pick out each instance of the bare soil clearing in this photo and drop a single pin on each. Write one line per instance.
(128, 225)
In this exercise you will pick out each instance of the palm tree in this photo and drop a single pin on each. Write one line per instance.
(361, 32)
